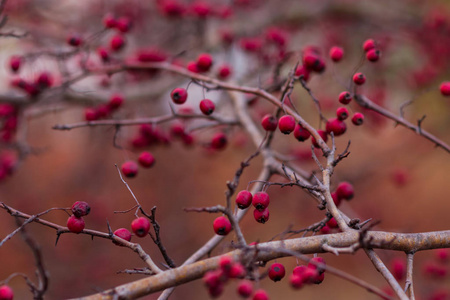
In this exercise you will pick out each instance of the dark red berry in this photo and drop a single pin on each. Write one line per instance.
(6, 293)
(14, 63)
(332, 223)
(319, 260)
(237, 271)
(75, 224)
(260, 295)
(207, 106)
(225, 263)
(299, 270)
(74, 40)
(300, 133)
(261, 216)
(336, 126)
(323, 135)
(398, 268)
(325, 229)
(445, 88)
(336, 53)
(123, 233)
(204, 62)
(123, 24)
(261, 200)
(310, 60)
(115, 101)
(44, 80)
(219, 141)
(212, 279)
(359, 78)
(90, 114)
(129, 169)
(224, 72)
(146, 159)
(276, 272)
(179, 95)
(244, 199)
(245, 288)
(117, 42)
(358, 119)
(140, 226)
(269, 123)
(109, 21)
(373, 55)
(342, 113)
(345, 97)
(192, 67)
(345, 190)
(310, 275)
(81, 208)
(368, 45)
(303, 72)
(286, 124)
(222, 226)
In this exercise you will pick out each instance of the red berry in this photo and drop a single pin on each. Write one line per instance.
(123, 24)
(224, 72)
(323, 135)
(261, 216)
(319, 278)
(130, 169)
(237, 271)
(6, 293)
(310, 60)
(276, 272)
(207, 106)
(75, 224)
(115, 101)
(201, 9)
(123, 233)
(179, 95)
(261, 200)
(225, 263)
(204, 62)
(14, 63)
(310, 275)
(244, 199)
(332, 223)
(222, 226)
(245, 288)
(358, 119)
(336, 53)
(398, 268)
(44, 80)
(219, 141)
(373, 55)
(146, 159)
(90, 114)
(192, 67)
(286, 124)
(345, 190)
(319, 260)
(368, 45)
(359, 78)
(442, 254)
(117, 42)
(74, 40)
(81, 208)
(300, 133)
(445, 88)
(269, 123)
(302, 71)
(342, 113)
(109, 21)
(140, 226)
(216, 291)
(325, 229)
(299, 270)
(336, 126)
(296, 281)
(260, 295)
(345, 97)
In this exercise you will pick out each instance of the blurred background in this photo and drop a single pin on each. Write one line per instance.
(399, 178)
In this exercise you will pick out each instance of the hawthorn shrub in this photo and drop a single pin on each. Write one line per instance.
(249, 148)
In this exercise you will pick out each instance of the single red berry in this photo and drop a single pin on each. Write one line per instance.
(310, 60)
(358, 119)
(179, 95)
(336, 126)
(224, 72)
(192, 67)
(81, 208)
(15, 62)
(201, 9)
(216, 291)
(140, 226)
(90, 114)
(300, 133)
(219, 141)
(123, 24)
(332, 223)
(222, 226)
(204, 62)
(117, 42)
(336, 53)
(319, 260)
(310, 275)
(323, 135)
(44, 80)
(130, 169)
(286, 124)
(445, 88)
(146, 159)
(74, 40)
(261, 216)
(269, 123)
(6, 293)
(109, 21)
(245, 288)
(225, 263)
(359, 78)
(345, 97)
(442, 254)
(276, 271)
(319, 278)
(342, 113)
(373, 55)
(296, 281)
(123, 233)
(75, 224)
(207, 106)
(103, 53)
(237, 271)
(115, 101)
(212, 279)
(303, 72)
(368, 45)
(325, 229)
(260, 295)
(345, 190)
(261, 200)
(398, 268)
(244, 199)
(299, 270)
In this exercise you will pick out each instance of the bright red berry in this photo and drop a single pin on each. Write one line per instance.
(204, 62)
(117, 42)
(219, 141)
(345, 190)
(286, 124)
(310, 275)
(359, 78)
(368, 45)
(244, 199)
(302, 71)
(261, 200)
(300, 133)
(237, 271)
(296, 281)
(212, 279)
(109, 21)
(81, 208)
(345, 97)
(323, 135)
(310, 60)
(325, 229)
(260, 295)
(222, 226)
(207, 106)
(90, 114)
(224, 72)
(192, 67)
(123, 233)
(373, 55)
(332, 223)
(6, 293)
(358, 119)
(245, 288)
(276, 272)
(75, 224)
(445, 88)
(336, 53)
(179, 95)
(336, 126)
(74, 40)
(319, 278)
(261, 216)
(123, 24)
(130, 169)
(115, 101)
(225, 263)
(299, 270)
(319, 260)
(14, 63)
(140, 226)
(342, 113)
(269, 123)
(146, 159)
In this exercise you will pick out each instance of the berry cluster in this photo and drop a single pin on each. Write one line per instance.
(130, 168)
(104, 110)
